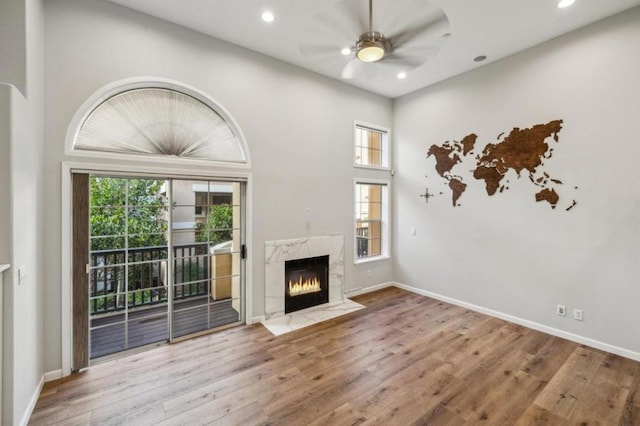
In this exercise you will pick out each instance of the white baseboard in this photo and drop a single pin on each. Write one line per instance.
(526, 323)
(52, 375)
(32, 403)
(363, 290)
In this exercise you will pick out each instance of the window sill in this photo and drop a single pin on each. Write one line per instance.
(381, 168)
(371, 259)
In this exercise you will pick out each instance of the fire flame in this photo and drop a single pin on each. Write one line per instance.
(304, 286)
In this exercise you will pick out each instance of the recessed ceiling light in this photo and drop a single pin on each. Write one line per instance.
(479, 58)
(268, 16)
(402, 75)
(346, 51)
(565, 3)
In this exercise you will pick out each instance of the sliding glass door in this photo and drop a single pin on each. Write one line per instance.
(207, 255)
(128, 245)
(164, 260)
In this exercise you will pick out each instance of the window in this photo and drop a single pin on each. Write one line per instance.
(210, 196)
(202, 202)
(371, 219)
(371, 146)
(153, 123)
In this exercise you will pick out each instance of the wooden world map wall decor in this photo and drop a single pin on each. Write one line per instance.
(522, 150)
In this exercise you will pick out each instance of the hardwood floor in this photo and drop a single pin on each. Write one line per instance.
(405, 359)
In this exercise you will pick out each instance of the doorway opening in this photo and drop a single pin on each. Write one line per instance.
(165, 261)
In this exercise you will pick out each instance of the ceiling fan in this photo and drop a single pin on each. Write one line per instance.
(407, 48)
(372, 45)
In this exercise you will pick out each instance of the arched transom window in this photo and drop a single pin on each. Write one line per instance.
(156, 121)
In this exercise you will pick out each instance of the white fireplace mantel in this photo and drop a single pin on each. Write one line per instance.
(279, 251)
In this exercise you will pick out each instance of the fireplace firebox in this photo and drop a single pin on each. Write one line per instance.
(306, 283)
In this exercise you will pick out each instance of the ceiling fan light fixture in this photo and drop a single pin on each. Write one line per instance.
(371, 47)
(371, 53)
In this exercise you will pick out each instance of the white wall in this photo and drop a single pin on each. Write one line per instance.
(5, 173)
(298, 125)
(507, 252)
(22, 212)
(13, 42)
(5, 241)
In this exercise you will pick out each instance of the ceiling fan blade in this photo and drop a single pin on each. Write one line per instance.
(332, 24)
(408, 61)
(316, 49)
(355, 69)
(432, 29)
(349, 70)
(357, 15)
(344, 18)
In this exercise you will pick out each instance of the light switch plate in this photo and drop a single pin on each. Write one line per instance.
(22, 275)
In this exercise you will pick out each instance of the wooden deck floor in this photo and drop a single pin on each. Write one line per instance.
(151, 326)
(405, 359)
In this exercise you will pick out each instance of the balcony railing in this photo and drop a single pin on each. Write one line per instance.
(362, 241)
(146, 272)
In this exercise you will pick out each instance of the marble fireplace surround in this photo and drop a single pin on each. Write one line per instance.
(279, 251)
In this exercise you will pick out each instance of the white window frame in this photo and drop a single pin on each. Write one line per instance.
(385, 237)
(386, 145)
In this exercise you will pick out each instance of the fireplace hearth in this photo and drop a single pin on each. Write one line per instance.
(306, 283)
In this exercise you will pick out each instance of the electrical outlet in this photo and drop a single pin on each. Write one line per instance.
(577, 314)
(561, 310)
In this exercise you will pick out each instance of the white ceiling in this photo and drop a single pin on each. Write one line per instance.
(494, 28)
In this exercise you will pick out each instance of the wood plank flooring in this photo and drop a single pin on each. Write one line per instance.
(405, 359)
